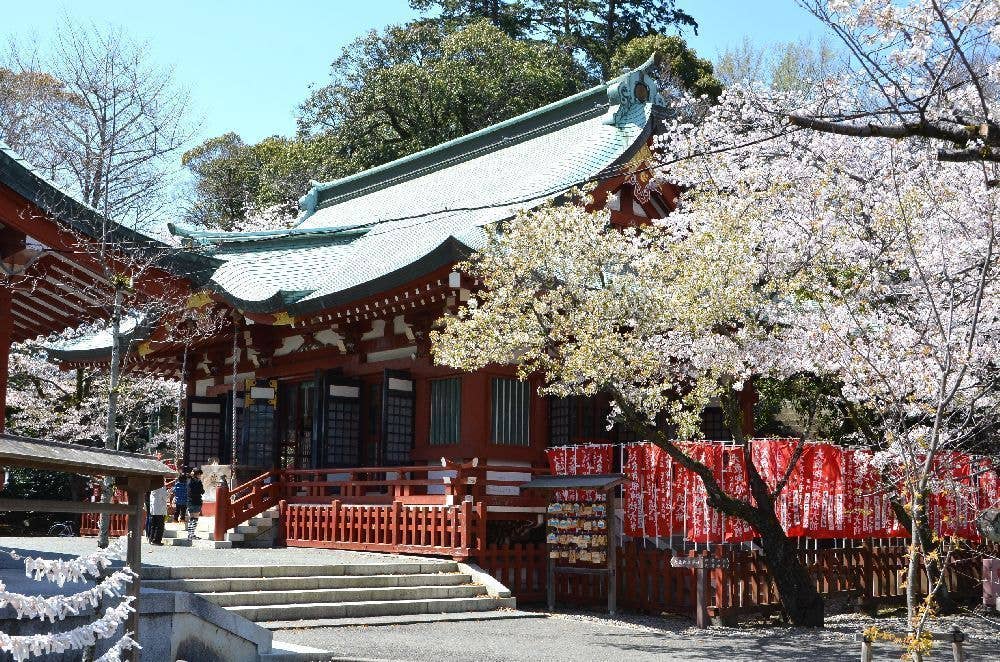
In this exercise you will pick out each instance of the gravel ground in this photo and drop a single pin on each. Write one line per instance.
(587, 637)
(180, 556)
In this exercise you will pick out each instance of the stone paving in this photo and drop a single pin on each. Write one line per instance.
(591, 638)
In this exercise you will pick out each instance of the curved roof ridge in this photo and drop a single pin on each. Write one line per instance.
(612, 97)
(502, 142)
(223, 237)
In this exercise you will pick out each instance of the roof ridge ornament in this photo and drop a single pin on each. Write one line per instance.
(637, 87)
(308, 202)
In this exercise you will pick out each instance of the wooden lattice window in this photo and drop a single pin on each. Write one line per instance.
(204, 430)
(446, 411)
(510, 412)
(259, 435)
(560, 421)
(203, 442)
(259, 424)
(714, 426)
(397, 419)
(343, 432)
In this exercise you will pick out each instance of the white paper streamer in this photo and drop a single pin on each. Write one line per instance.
(58, 607)
(125, 644)
(22, 647)
(60, 571)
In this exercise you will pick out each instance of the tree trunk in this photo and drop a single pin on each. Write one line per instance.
(110, 428)
(932, 568)
(801, 601)
(912, 570)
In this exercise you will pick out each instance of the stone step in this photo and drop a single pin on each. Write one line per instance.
(179, 534)
(370, 608)
(206, 544)
(403, 619)
(345, 595)
(304, 583)
(244, 571)
(181, 527)
(282, 651)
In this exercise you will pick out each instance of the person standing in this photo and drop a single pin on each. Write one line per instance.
(180, 497)
(196, 490)
(157, 514)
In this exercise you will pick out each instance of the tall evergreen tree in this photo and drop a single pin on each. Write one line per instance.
(593, 30)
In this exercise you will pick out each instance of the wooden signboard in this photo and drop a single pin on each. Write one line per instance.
(701, 565)
(699, 562)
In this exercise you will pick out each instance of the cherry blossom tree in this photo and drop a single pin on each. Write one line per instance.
(68, 405)
(794, 251)
(664, 319)
(898, 299)
(922, 69)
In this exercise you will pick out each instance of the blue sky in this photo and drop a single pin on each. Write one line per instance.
(248, 63)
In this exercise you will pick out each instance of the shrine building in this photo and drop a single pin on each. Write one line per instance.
(326, 341)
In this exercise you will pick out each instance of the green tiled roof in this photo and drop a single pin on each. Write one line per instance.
(382, 227)
(97, 344)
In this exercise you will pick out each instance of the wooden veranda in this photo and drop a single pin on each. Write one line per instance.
(136, 474)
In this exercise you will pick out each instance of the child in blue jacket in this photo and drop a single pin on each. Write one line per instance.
(180, 498)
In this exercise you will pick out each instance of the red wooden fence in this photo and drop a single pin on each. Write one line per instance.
(455, 531)
(369, 486)
(90, 524)
(647, 582)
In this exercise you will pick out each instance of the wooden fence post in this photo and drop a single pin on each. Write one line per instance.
(282, 522)
(335, 520)
(480, 525)
(466, 516)
(866, 649)
(221, 512)
(394, 517)
(701, 596)
(869, 603)
(957, 641)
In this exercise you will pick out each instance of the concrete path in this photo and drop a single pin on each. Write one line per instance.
(560, 638)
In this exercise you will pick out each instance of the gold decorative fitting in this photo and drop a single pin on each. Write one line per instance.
(199, 299)
(283, 319)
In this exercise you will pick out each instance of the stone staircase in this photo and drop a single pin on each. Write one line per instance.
(259, 531)
(330, 595)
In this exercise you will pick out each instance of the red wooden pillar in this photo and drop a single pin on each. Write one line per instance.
(475, 419)
(748, 399)
(6, 334)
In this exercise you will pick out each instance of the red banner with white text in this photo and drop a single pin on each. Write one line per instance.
(585, 460)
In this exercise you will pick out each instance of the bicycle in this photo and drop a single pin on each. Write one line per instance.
(62, 529)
